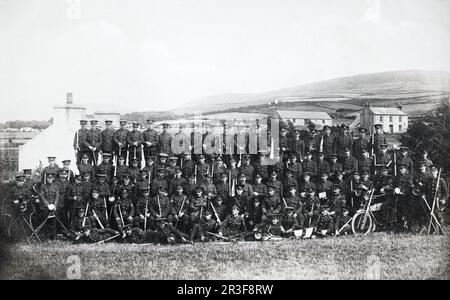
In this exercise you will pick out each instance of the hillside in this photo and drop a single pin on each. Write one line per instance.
(417, 90)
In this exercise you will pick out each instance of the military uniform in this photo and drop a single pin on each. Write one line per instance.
(165, 143)
(350, 166)
(80, 144)
(120, 142)
(326, 144)
(323, 167)
(377, 140)
(311, 206)
(124, 207)
(134, 141)
(310, 167)
(296, 204)
(233, 225)
(342, 142)
(107, 145)
(94, 139)
(365, 164)
(150, 136)
(359, 145)
(298, 148)
(86, 168)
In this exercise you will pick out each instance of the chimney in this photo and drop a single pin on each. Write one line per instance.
(69, 98)
(400, 106)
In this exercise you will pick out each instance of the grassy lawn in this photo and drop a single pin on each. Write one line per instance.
(380, 255)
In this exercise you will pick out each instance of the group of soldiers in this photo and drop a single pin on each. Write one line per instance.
(132, 185)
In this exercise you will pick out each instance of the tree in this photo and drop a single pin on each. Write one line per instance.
(432, 134)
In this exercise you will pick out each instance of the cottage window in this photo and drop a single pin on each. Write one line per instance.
(381, 118)
(400, 118)
(390, 118)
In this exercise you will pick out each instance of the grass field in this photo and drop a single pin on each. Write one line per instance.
(377, 256)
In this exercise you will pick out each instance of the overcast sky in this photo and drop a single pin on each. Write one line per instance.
(155, 55)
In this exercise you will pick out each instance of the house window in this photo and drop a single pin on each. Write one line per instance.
(390, 119)
(399, 128)
(391, 129)
(381, 118)
(323, 121)
(293, 120)
(400, 118)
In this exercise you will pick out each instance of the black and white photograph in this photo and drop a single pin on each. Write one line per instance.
(224, 141)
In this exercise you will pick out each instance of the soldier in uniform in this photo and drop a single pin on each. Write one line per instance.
(261, 166)
(128, 185)
(197, 204)
(403, 184)
(309, 166)
(241, 200)
(120, 140)
(85, 167)
(76, 195)
(294, 202)
(159, 182)
(335, 166)
(51, 168)
(124, 212)
(246, 168)
(365, 163)
(349, 165)
(106, 167)
(142, 211)
(20, 196)
(322, 165)
(360, 143)
(188, 166)
(78, 225)
(134, 170)
(298, 146)
(223, 187)
(337, 207)
(425, 160)
(437, 191)
(48, 199)
(165, 140)
(284, 145)
(366, 181)
(178, 180)
(219, 169)
(306, 183)
(295, 167)
(170, 169)
(79, 141)
(289, 182)
(404, 159)
(344, 140)
(383, 158)
(108, 139)
(181, 143)
(135, 141)
(94, 141)
(180, 209)
(97, 210)
(324, 189)
(62, 209)
(70, 174)
(151, 140)
(271, 205)
(383, 182)
(311, 209)
(325, 142)
(377, 140)
(121, 168)
(202, 169)
(233, 225)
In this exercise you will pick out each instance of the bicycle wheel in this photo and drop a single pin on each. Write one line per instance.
(361, 224)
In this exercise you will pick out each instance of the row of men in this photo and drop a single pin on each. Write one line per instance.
(68, 198)
(142, 144)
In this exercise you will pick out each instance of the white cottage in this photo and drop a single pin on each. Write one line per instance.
(301, 119)
(393, 119)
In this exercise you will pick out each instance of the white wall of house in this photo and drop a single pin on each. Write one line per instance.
(317, 122)
(391, 123)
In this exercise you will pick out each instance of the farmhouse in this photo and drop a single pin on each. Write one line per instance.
(393, 119)
(302, 119)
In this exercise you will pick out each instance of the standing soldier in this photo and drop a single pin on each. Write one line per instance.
(188, 166)
(246, 168)
(219, 169)
(335, 166)
(159, 182)
(322, 166)
(76, 195)
(383, 182)
(344, 140)
(165, 140)
(202, 169)
(311, 209)
(51, 168)
(181, 143)
(62, 209)
(383, 158)
(48, 199)
(108, 139)
(308, 165)
(298, 146)
(437, 191)
(197, 204)
(404, 159)
(294, 202)
(70, 174)
(365, 163)
(151, 140)
(177, 180)
(124, 212)
(223, 187)
(378, 139)
(120, 140)
(325, 142)
(349, 165)
(94, 141)
(135, 141)
(403, 185)
(79, 141)
(425, 160)
(271, 205)
(284, 145)
(106, 167)
(360, 143)
(180, 207)
(85, 167)
(121, 168)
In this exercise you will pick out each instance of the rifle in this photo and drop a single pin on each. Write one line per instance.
(145, 214)
(195, 173)
(108, 239)
(85, 214)
(121, 217)
(181, 209)
(143, 161)
(93, 157)
(106, 208)
(77, 141)
(343, 226)
(215, 213)
(434, 203)
(159, 205)
(128, 155)
(351, 191)
(309, 221)
(229, 184)
(98, 220)
(395, 162)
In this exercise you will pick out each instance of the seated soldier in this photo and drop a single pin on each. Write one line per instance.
(241, 200)
(167, 234)
(142, 211)
(160, 207)
(273, 227)
(324, 188)
(124, 212)
(97, 210)
(325, 225)
(233, 225)
(180, 210)
(256, 214)
(296, 204)
(206, 225)
(311, 209)
(337, 205)
(223, 187)
(96, 235)
(197, 205)
(289, 222)
(366, 181)
(209, 189)
(271, 205)
(307, 184)
(78, 224)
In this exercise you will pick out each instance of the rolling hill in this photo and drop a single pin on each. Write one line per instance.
(417, 90)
